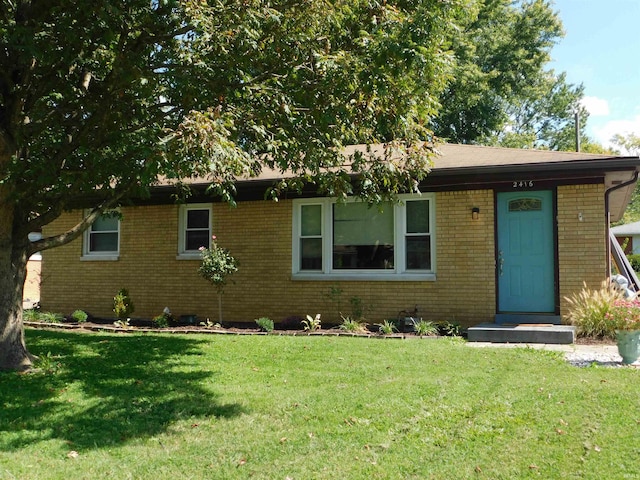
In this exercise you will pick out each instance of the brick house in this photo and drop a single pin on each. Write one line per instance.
(496, 232)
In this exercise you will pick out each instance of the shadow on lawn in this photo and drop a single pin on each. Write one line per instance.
(128, 387)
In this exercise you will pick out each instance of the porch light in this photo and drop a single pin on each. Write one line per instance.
(475, 213)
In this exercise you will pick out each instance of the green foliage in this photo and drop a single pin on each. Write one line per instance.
(161, 321)
(588, 311)
(265, 324)
(352, 325)
(312, 324)
(634, 260)
(216, 265)
(48, 364)
(209, 324)
(449, 329)
(80, 316)
(423, 328)
(387, 327)
(31, 315)
(50, 317)
(501, 80)
(122, 305)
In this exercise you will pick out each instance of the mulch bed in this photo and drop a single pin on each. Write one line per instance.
(191, 329)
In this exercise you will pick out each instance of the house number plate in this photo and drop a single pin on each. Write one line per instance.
(523, 184)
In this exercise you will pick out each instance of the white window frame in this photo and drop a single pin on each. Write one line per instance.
(183, 253)
(399, 272)
(87, 254)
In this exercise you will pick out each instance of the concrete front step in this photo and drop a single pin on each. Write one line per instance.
(523, 333)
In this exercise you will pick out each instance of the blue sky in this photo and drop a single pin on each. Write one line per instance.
(601, 50)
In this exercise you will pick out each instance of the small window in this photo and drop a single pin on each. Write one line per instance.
(102, 238)
(311, 237)
(195, 229)
(525, 205)
(418, 236)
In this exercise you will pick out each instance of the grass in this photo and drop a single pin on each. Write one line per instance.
(270, 407)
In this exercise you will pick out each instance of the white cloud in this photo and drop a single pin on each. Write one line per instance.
(604, 133)
(597, 107)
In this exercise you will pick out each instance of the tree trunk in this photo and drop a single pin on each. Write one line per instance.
(13, 272)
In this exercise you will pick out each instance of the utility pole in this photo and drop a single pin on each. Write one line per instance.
(577, 125)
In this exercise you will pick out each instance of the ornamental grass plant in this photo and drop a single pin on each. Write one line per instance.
(589, 311)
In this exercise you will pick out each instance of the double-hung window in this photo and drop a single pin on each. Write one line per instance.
(195, 229)
(102, 238)
(353, 240)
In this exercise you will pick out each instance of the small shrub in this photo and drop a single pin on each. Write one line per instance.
(588, 311)
(79, 316)
(161, 321)
(209, 324)
(31, 315)
(311, 324)
(448, 329)
(48, 364)
(387, 327)
(353, 326)
(50, 317)
(422, 328)
(265, 324)
(122, 304)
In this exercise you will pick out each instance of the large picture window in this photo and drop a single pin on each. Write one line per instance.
(195, 229)
(351, 239)
(102, 238)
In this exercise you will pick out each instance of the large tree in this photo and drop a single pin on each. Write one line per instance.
(502, 92)
(98, 100)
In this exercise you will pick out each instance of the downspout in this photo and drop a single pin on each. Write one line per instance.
(608, 215)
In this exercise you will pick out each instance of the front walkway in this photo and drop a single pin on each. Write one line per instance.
(581, 355)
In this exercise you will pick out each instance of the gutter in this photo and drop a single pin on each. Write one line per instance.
(607, 193)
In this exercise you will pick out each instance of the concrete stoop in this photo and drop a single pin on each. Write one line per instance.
(522, 333)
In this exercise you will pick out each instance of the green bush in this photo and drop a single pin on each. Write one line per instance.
(31, 315)
(353, 326)
(122, 304)
(312, 324)
(50, 317)
(422, 327)
(448, 329)
(588, 311)
(265, 324)
(161, 321)
(634, 260)
(387, 327)
(79, 316)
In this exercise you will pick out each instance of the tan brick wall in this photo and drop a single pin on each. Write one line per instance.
(259, 236)
(581, 244)
(31, 293)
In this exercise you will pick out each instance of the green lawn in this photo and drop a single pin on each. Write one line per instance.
(269, 407)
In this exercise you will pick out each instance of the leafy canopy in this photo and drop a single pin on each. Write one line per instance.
(502, 93)
(101, 100)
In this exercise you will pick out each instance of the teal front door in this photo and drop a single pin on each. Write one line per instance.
(526, 252)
